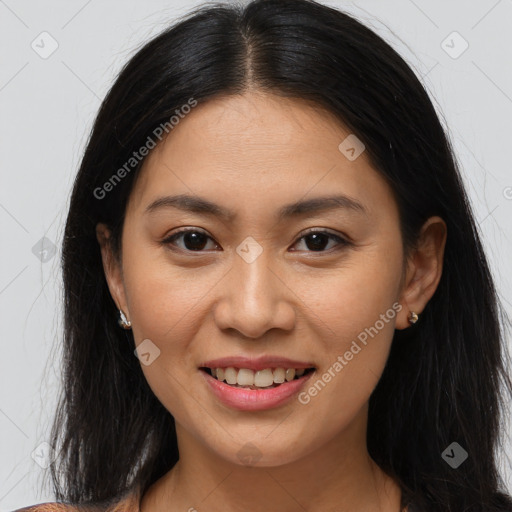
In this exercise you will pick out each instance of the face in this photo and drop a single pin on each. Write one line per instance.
(320, 285)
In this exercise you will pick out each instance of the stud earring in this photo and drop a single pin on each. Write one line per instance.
(123, 321)
(413, 318)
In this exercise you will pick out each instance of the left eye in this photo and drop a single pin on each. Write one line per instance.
(317, 240)
(195, 240)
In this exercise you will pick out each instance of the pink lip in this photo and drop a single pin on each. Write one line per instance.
(256, 363)
(254, 399)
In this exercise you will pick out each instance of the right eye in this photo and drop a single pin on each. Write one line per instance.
(193, 240)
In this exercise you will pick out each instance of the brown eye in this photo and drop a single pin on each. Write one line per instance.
(192, 240)
(317, 241)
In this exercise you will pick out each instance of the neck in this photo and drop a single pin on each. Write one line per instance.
(339, 475)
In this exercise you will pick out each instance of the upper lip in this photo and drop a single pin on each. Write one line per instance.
(256, 363)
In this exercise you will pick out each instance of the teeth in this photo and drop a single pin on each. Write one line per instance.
(263, 378)
(230, 374)
(279, 375)
(290, 374)
(245, 377)
(260, 379)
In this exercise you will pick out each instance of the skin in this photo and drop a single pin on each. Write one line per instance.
(253, 154)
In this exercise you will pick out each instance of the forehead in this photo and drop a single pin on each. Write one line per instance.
(257, 124)
(239, 148)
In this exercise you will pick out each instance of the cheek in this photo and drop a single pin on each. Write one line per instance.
(162, 298)
(354, 354)
(353, 297)
(357, 306)
(164, 303)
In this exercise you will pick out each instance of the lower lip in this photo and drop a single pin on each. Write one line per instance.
(255, 399)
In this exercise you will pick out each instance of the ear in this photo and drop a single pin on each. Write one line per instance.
(424, 269)
(112, 268)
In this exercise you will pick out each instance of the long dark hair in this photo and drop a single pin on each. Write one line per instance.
(445, 375)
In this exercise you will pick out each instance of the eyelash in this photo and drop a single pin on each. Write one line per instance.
(342, 242)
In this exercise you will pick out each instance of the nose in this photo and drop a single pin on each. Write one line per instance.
(255, 298)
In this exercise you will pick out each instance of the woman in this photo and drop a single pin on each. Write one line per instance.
(217, 355)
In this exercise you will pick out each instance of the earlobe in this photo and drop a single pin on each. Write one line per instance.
(424, 270)
(111, 268)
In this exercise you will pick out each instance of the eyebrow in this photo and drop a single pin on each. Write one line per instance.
(196, 204)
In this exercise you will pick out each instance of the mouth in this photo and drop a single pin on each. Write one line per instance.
(267, 378)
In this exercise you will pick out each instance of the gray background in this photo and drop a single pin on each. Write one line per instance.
(47, 107)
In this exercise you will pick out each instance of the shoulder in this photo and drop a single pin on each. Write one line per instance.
(67, 507)
(48, 507)
(127, 503)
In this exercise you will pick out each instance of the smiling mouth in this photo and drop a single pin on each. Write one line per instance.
(261, 379)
